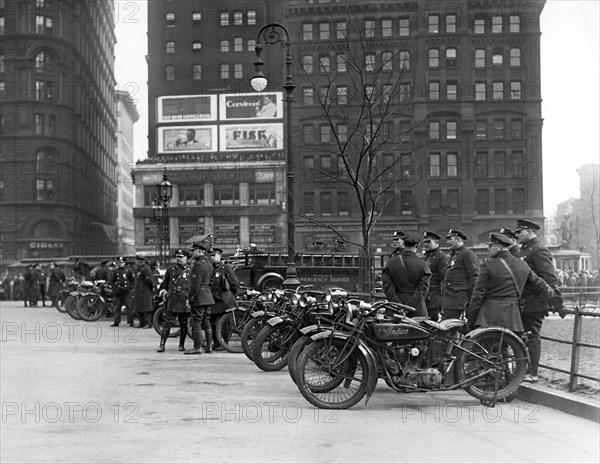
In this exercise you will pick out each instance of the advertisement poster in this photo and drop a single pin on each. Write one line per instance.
(262, 105)
(227, 234)
(252, 137)
(189, 108)
(186, 139)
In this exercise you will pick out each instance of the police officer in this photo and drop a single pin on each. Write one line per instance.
(460, 276)
(514, 248)
(174, 288)
(539, 259)
(199, 294)
(438, 262)
(224, 287)
(142, 293)
(397, 243)
(495, 298)
(122, 282)
(406, 277)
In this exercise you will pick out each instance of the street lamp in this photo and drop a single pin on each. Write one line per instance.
(164, 193)
(271, 34)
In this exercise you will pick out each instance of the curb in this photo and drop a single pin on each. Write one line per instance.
(566, 402)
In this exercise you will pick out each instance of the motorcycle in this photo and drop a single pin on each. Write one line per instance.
(342, 365)
(63, 294)
(230, 325)
(96, 302)
(72, 301)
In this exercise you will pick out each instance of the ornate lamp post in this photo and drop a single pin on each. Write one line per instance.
(164, 193)
(271, 34)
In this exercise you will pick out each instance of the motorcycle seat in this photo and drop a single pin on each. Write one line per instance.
(447, 324)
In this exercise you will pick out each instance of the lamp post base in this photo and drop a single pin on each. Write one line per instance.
(291, 277)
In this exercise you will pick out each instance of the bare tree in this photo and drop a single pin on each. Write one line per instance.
(361, 97)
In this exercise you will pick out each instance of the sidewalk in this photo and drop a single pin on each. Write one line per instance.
(562, 401)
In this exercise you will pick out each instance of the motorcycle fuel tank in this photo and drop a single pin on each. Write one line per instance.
(388, 331)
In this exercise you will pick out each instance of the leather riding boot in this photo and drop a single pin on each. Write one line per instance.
(163, 339)
(208, 336)
(197, 336)
(182, 335)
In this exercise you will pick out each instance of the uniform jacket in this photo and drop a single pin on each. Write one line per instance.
(407, 284)
(199, 293)
(122, 279)
(460, 278)
(539, 259)
(438, 262)
(35, 284)
(142, 290)
(177, 284)
(224, 286)
(495, 300)
(55, 282)
(515, 250)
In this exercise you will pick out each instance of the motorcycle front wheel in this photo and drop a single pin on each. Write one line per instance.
(229, 330)
(59, 302)
(295, 352)
(497, 362)
(271, 347)
(90, 308)
(330, 378)
(249, 334)
(71, 307)
(158, 322)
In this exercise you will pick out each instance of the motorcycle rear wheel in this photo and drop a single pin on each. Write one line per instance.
(508, 369)
(326, 385)
(158, 322)
(249, 334)
(229, 330)
(90, 308)
(71, 307)
(271, 348)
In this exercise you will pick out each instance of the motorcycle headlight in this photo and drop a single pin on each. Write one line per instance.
(306, 301)
(351, 312)
(295, 299)
(277, 295)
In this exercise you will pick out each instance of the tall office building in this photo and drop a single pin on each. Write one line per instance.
(464, 114)
(57, 120)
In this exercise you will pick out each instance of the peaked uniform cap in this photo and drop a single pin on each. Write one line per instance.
(499, 239)
(431, 236)
(200, 241)
(456, 233)
(526, 224)
(398, 234)
(508, 232)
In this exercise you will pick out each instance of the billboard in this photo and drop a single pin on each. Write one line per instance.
(264, 105)
(251, 137)
(186, 139)
(188, 108)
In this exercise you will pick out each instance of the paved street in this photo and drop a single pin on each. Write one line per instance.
(84, 392)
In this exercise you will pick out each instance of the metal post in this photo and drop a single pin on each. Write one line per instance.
(575, 349)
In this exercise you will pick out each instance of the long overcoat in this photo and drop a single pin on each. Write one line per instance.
(409, 283)
(56, 282)
(224, 287)
(460, 278)
(539, 259)
(142, 289)
(177, 284)
(438, 262)
(199, 293)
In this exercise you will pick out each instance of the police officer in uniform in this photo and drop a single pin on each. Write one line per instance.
(539, 259)
(174, 288)
(460, 276)
(224, 287)
(438, 262)
(199, 294)
(142, 293)
(495, 298)
(122, 282)
(397, 243)
(406, 277)
(514, 248)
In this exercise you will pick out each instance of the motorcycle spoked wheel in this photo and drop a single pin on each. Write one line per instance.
(229, 329)
(158, 322)
(251, 330)
(272, 347)
(90, 308)
(295, 352)
(59, 302)
(71, 307)
(327, 385)
(508, 356)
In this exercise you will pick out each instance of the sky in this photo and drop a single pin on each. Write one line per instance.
(570, 61)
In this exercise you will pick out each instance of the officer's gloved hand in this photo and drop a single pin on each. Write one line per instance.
(556, 305)
(162, 293)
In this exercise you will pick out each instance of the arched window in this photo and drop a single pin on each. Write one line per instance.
(43, 61)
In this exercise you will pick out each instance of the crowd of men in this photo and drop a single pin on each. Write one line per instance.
(515, 288)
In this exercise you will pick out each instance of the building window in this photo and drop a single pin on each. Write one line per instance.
(307, 31)
(434, 90)
(308, 203)
(226, 194)
(251, 45)
(386, 28)
(516, 129)
(251, 17)
(515, 57)
(326, 203)
(515, 90)
(498, 129)
(483, 202)
(191, 195)
(497, 58)
(224, 71)
(2, 62)
(196, 16)
(340, 63)
(307, 64)
(451, 23)
(387, 63)
(406, 202)
(342, 132)
(497, 24)
(340, 30)
(434, 130)
(238, 18)
(343, 203)
(1, 25)
(481, 164)
(518, 201)
(308, 134)
(452, 200)
(325, 134)
(262, 194)
(500, 169)
(38, 121)
(44, 180)
(405, 94)
(52, 125)
(480, 58)
(369, 28)
(451, 57)
(238, 44)
(433, 22)
(224, 45)
(196, 46)
(324, 64)
(480, 130)
(324, 31)
(370, 62)
(498, 93)
(435, 201)
(196, 72)
(514, 23)
(434, 165)
(170, 19)
(238, 71)
(479, 26)
(452, 165)
(406, 168)
(43, 24)
(480, 91)
(225, 18)
(452, 91)
(42, 61)
(500, 201)
(404, 27)
(170, 72)
(434, 57)
(342, 95)
(170, 47)
(404, 57)
(451, 130)
(308, 96)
